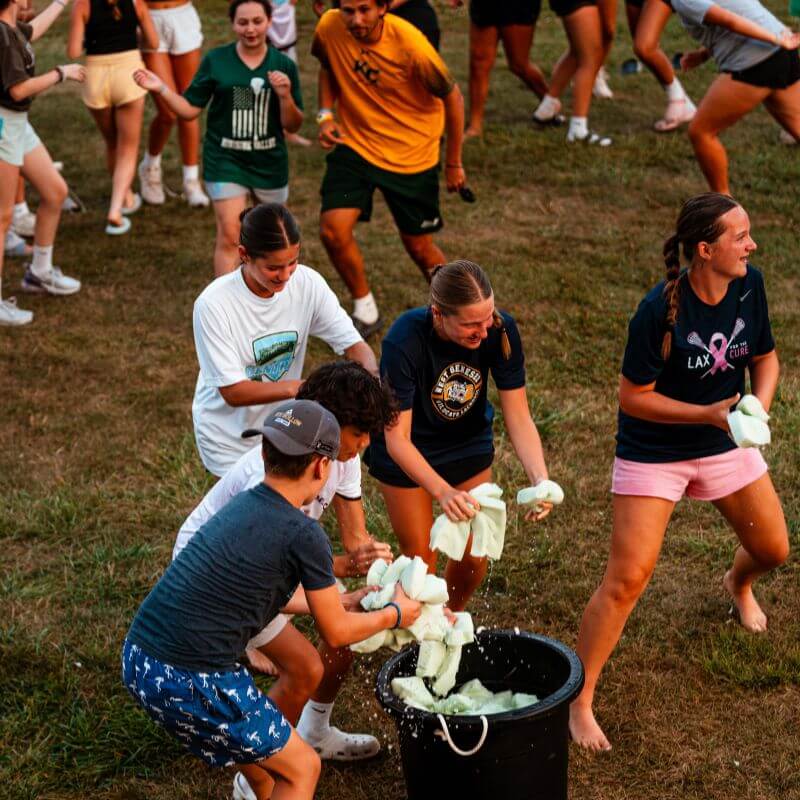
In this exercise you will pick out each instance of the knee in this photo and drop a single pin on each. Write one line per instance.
(775, 555)
(418, 247)
(306, 678)
(518, 67)
(332, 236)
(228, 235)
(309, 766)
(643, 49)
(56, 193)
(697, 133)
(625, 589)
(6, 215)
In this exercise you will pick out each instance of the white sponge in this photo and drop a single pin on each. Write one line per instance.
(430, 658)
(413, 577)
(376, 571)
(751, 406)
(434, 590)
(748, 431)
(462, 632)
(544, 492)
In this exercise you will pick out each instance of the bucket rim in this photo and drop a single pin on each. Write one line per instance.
(392, 704)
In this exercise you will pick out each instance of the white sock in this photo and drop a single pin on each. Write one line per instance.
(21, 208)
(578, 127)
(315, 720)
(42, 260)
(191, 173)
(548, 108)
(365, 308)
(675, 91)
(151, 160)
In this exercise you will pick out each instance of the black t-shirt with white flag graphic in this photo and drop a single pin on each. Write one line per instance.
(711, 348)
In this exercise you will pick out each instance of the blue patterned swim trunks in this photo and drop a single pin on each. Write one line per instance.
(221, 717)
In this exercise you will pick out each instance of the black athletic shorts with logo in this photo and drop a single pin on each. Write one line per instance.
(454, 472)
(413, 199)
(563, 8)
(780, 71)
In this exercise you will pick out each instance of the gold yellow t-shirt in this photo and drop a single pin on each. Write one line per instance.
(389, 104)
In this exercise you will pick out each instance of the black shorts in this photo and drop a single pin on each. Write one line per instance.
(413, 199)
(421, 14)
(640, 3)
(455, 472)
(780, 71)
(500, 13)
(563, 8)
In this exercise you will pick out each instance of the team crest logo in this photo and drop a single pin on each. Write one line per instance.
(364, 69)
(273, 355)
(456, 390)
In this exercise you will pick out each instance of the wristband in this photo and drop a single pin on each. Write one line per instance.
(62, 76)
(323, 115)
(163, 89)
(61, 3)
(399, 615)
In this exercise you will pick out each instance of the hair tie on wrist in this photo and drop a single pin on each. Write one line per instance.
(62, 76)
(399, 614)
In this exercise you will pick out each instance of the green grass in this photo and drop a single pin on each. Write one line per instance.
(98, 466)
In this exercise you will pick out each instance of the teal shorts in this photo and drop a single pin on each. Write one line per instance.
(413, 200)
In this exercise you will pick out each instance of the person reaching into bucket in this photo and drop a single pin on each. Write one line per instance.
(361, 405)
(437, 359)
(689, 345)
(180, 658)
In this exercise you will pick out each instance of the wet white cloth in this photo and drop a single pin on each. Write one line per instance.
(544, 492)
(488, 527)
(472, 698)
(748, 423)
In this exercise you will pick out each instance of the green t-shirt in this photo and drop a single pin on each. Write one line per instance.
(244, 138)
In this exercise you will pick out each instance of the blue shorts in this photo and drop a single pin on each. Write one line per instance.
(221, 717)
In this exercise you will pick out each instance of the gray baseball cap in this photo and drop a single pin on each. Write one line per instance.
(300, 427)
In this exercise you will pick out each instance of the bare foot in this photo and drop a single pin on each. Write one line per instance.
(260, 663)
(472, 131)
(585, 731)
(751, 617)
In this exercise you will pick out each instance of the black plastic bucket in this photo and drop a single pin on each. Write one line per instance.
(516, 755)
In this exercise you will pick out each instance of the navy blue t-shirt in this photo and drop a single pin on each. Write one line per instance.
(445, 386)
(711, 347)
(230, 580)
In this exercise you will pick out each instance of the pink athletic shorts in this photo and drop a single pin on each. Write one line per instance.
(708, 478)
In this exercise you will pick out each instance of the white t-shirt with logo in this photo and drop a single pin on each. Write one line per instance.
(344, 479)
(240, 336)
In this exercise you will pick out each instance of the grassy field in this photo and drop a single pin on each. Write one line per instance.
(98, 466)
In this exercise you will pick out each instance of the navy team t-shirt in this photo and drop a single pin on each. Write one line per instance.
(233, 578)
(711, 347)
(445, 386)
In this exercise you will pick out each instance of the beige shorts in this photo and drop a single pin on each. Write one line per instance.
(179, 29)
(109, 79)
(270, 632)
(17, 136)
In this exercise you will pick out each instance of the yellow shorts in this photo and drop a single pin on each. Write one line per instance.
(109, 79)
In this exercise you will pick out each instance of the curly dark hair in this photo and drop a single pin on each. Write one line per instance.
(353, 395)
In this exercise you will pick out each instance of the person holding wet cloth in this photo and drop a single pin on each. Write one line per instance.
(437, 359)
(256, 557)
(690, 343)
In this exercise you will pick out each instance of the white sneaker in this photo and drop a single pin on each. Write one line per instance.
(11, 315)
(150, 184)
(15, 246)
(194, 194)
(23, 223)
(601, 88)
(55, 283)
(242, 789)
(337, 745)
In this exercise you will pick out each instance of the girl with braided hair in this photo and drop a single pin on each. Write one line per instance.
(437, 360)
(689, 344)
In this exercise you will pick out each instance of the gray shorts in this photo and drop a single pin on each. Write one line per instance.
(222, 190)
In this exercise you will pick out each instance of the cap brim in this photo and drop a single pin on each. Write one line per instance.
(251, 432)
(286, 444)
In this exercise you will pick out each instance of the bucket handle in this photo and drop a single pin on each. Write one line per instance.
(445, 734)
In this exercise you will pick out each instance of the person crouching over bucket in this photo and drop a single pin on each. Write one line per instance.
(689, 344)
(180, 659)
(438, 359)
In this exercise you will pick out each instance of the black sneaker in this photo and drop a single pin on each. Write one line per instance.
(367, 329)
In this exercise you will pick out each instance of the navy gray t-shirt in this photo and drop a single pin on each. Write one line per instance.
(232, 579)
(711, 347)
(445, 386)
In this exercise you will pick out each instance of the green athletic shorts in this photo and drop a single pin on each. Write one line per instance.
(350, 181)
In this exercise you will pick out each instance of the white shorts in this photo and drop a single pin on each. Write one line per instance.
(282, 31)
(179, 30)
(223, 190)
(17, 136)
(270, 632)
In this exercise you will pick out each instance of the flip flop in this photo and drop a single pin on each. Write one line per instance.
(556, 121)
(112, 229)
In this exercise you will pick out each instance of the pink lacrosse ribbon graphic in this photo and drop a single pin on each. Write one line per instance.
(718, 347)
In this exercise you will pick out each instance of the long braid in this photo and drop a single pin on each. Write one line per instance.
(505, 343)
(116, 11)
(672, 290)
